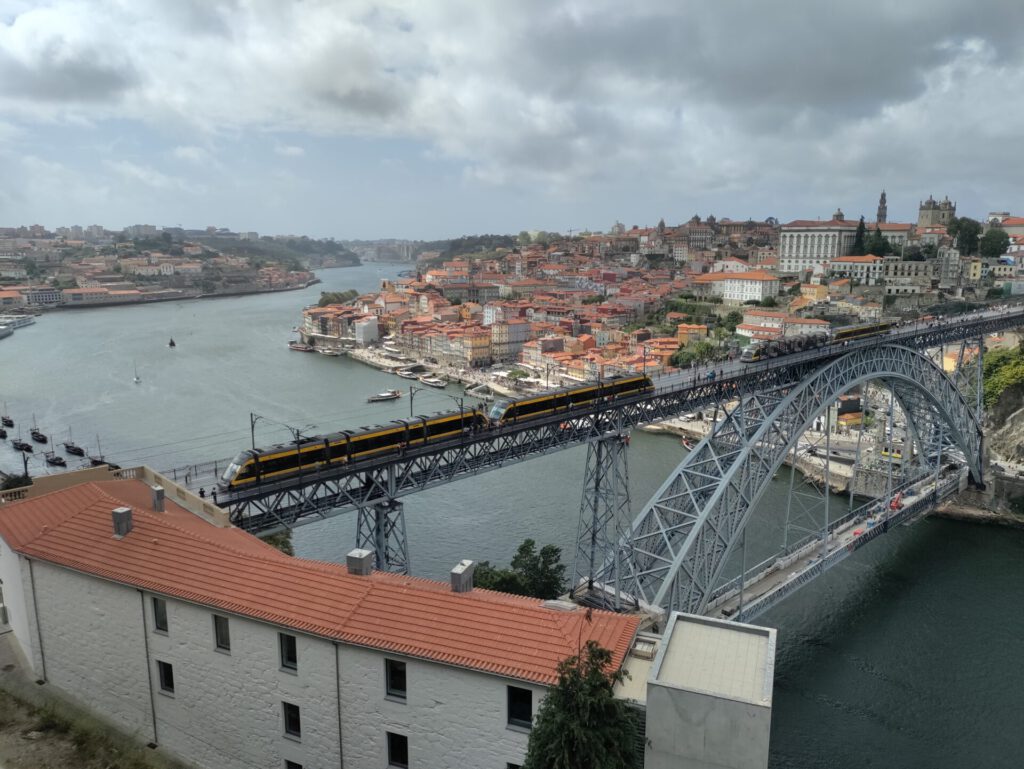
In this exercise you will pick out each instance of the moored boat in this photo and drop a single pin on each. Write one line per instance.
(3, 433)
(433, 381)
(300, 347)
(407, 374)
(171, 343)
(38, 436)
(385, 395)
(56, 461)
(6, 421)
(332, 353)
(21, 445)
(73, 448)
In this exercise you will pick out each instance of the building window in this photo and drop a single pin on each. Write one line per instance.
(520, 707)
(166, 671)
(394, 672)
(398, 750)
(221, 633)
(292, 720)
(160, 615)
(292, 765)
(289, 652)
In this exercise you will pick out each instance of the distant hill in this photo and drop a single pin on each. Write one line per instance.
(296, 253)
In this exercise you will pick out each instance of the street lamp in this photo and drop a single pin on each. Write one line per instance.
(644, 363)
(413, 389)
(253, 419)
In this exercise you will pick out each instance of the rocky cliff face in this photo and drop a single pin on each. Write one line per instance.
(1004, 430)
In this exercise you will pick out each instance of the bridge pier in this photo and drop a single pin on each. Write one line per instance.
(381, 528)
(604, 516)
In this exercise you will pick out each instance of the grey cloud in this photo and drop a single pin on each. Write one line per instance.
(61, 74)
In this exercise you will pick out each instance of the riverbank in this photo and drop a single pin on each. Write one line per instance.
(468, 378)
(840, 474)
(956, 510)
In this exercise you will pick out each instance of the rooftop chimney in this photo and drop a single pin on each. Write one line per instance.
(158, 498)
(359, 562)
(122, 521)
(462, 576)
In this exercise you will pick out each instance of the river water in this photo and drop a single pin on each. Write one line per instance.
(906, 655)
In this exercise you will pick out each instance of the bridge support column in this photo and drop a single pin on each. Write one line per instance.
(381, 528)
(604, 517)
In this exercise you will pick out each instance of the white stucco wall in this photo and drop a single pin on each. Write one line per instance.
(226, 710)
(702, 731)
(94, 645)
(18, 599)
(453, 717)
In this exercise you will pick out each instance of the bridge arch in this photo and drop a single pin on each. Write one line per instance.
(674, 551)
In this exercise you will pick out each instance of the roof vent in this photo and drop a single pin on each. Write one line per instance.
(462, 576)
(158, 498)
(122, 521)
(360, 562)
(557, 605)
(644, 648)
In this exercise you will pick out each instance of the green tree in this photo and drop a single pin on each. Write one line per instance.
(994, 243)
(337, 297)
(877, 244)
(536, 574)
(966, 232)
(15, 482)
(858, 240)
(524, 238)
(581, 725)
(769, 301)
(732, 320)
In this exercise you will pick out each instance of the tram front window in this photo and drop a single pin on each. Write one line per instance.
(498, 410)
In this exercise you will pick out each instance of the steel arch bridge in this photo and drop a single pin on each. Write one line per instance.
(673, 554)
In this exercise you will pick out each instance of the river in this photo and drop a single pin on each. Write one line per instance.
(906, 655)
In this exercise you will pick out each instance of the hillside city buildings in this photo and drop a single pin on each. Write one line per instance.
(596, 305)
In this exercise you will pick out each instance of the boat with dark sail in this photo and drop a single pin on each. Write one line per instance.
(37, 435)
(73, 448)
(3, 433)
(171, 343)
(55, 460)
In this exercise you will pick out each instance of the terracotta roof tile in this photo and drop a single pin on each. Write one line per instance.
(178, 554)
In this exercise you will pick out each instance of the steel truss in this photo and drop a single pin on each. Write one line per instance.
(677, 546)
(381, 528)
(314, 496)
(604, 517)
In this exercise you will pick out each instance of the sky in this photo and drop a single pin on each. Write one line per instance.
(431, 119)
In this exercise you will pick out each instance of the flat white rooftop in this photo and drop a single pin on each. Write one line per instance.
(717, 657)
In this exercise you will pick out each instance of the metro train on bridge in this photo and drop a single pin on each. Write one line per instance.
(324, 451)
(785, 346)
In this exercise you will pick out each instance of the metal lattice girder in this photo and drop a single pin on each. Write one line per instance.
(604, 516)
(314, 496)
(381, 528)
(677, 546)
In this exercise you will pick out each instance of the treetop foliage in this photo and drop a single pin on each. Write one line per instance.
(581, 725)
(539, 575)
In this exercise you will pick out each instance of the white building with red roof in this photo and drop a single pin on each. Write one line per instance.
(195, 636)
(805, 244)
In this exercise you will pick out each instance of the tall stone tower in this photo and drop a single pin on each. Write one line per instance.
(934, 213)
(882, 214)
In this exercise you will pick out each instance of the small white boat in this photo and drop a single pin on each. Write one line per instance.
(137, 378)
(433, 381)
(407, 374)
(332, 353)
(385, 395)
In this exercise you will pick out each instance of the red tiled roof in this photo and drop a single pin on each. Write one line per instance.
(177, 554)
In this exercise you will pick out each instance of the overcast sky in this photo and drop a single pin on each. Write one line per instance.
(427, 119)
